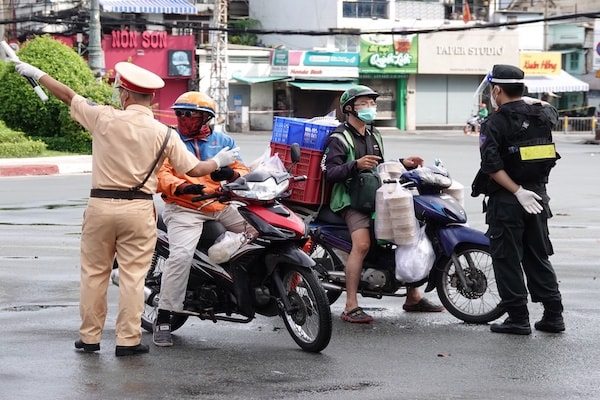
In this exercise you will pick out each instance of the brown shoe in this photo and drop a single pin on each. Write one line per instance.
(423, 305)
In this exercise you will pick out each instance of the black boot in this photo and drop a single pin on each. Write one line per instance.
(517, 322)
(552, 321)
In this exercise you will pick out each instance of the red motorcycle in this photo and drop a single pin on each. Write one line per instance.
(268, 275)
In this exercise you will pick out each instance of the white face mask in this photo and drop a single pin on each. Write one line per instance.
(493, 101)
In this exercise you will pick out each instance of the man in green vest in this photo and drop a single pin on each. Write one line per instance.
(353, 147)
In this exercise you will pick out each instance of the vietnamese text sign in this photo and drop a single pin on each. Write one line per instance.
(540, 63)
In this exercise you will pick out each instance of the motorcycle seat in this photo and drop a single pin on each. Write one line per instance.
(327, 215)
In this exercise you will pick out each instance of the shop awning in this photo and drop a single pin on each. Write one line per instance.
(149, 6)
(563, 82)
(325, 85)
(258, 79)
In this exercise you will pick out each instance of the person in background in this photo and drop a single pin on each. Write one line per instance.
(185, 218)
(483, 112)
(357, 148)
(120, 218)
(517, 152)
(548, 96)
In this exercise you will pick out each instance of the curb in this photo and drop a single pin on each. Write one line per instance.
(32, 169)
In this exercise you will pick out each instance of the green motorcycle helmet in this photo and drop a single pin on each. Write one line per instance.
(353, 93)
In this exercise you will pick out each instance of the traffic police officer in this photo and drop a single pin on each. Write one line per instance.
(517, 153)
(119, 219)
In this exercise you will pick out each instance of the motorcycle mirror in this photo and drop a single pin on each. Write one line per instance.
(295, 152)
(294, 155)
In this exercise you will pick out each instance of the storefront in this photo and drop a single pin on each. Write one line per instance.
(170, 57)
(451, 66)
(318, 79)
(252, 91)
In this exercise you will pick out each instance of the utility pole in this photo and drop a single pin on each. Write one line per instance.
(546, 25)
(3, 7)
(219, 85)
(95, 53)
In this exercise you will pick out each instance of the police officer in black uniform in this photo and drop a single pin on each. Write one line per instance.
(517, 153)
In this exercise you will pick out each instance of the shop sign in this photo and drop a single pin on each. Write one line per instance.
(313, 64)
(279, 63)
(312, 58)
(388, 54)
(540, 63)
(127, 39)
(471, 52)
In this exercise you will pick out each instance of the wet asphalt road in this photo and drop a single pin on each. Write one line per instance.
(399, 356)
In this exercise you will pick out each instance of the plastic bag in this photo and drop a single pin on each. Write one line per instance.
(414, 261)
(268, 162)
(391, 169)
(395, 215)
(225, 246)
(383, 223)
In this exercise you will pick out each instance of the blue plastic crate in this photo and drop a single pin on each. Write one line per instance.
(315, 136)
(287, 130)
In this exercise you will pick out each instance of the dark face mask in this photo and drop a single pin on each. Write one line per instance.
(194, 126)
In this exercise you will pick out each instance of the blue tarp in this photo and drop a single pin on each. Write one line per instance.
(149, 6)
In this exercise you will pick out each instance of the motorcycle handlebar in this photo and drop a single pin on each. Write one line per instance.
(299, 178)
(205, 197)
(221, 193)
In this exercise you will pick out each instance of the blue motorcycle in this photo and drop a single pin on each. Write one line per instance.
(462, 271)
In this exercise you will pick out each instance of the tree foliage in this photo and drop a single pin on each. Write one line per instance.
(50, 121)
(243, 38)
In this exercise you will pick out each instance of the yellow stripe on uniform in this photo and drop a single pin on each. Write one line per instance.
(539, 152)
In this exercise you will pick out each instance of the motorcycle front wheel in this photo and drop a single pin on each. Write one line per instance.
(153, 279)
(324, 256)
(309, 318)
(477, 301)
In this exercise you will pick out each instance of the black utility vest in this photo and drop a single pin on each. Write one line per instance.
(529, 153)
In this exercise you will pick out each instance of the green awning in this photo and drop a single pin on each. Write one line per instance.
(258, 79)
(325, 85)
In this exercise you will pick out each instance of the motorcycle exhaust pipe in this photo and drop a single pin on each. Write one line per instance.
(114, 277)
(331, 286)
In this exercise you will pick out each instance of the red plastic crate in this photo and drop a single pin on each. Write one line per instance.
(308, 191)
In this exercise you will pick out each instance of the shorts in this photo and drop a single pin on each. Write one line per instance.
(356, 220)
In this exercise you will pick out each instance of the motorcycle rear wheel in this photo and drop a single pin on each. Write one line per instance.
(477, 303)
(153, 279)
(322, 255)
(309, 320)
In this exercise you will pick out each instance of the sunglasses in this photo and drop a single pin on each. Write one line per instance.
(186, 113)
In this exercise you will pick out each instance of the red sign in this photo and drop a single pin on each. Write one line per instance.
(133, 39)
(148, 49)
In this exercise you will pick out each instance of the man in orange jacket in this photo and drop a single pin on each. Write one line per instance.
(184, 218)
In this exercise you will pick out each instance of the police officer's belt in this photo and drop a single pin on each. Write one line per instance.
(120, 194)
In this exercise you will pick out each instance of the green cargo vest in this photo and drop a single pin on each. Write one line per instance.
(340, 198)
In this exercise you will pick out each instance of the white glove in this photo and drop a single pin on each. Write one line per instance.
(28, 70)
(226, 156)
(529, 200)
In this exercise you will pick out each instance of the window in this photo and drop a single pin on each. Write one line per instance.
(347, 43)
(365, 9)
(574, 62)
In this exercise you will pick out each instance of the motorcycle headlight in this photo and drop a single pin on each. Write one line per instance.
(268, 189)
